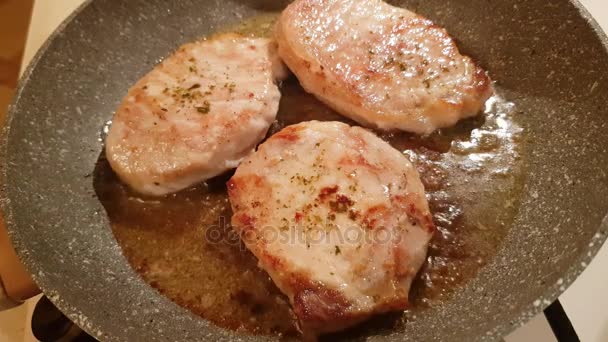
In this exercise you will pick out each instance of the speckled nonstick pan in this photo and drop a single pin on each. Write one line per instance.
(62, 234)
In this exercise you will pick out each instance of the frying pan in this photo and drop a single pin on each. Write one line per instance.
(550, 58)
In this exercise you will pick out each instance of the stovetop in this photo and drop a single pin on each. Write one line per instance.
(48, 324)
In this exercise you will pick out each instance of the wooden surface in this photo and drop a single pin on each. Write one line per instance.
(14, 21)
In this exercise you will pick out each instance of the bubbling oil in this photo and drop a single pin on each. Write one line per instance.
(183, 246)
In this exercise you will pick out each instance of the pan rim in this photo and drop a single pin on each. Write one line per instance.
(550, 293)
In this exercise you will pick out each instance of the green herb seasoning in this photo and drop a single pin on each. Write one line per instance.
(205, 108)
(230, 86)
(427, 82)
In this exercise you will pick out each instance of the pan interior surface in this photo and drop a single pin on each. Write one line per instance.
(62, 232)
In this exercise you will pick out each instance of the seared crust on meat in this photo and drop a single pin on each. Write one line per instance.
(337, 217)
(196, 115)
(380, 65)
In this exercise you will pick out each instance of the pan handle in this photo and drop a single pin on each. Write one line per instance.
(16, 285)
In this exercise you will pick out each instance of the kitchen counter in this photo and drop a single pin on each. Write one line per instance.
(584, 302)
